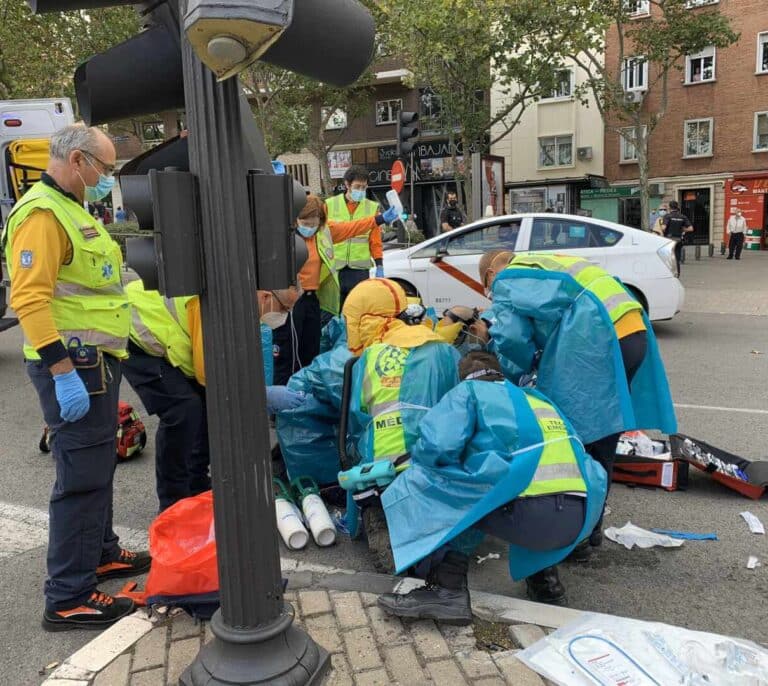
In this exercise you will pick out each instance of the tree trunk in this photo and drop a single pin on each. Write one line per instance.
(170, 124)
(317, 146)
(642, 163)
(464, 188)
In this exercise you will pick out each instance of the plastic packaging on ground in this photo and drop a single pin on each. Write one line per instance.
(615, 651)
(630, 536)
(755, 525)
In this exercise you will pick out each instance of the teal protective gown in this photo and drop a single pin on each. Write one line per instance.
(308, 434)
(478, 449)
(580, 369)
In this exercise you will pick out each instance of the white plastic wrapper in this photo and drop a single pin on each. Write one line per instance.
(754, 524)
(614, 651)
(630, 536)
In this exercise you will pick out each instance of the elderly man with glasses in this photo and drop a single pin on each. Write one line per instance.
(65, 273)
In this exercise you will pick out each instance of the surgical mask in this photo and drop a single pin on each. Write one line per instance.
(306, 231)
(453, 203)
(101, 190)
(662, 213)
(356, 195)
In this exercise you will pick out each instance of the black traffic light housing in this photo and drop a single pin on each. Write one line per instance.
(407, 132)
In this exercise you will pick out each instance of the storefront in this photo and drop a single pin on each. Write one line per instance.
(620, 204)
(435, 175)
(747, 192)
(551, 195)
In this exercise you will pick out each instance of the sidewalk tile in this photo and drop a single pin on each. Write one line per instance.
(389, 630)
(492, 681)
(184, 626)
(150, 650)
(340, 674)
(314, 603)
(369, 599)
(361, 649)
(378, 677)
(458, 637)
(98, 653)
(152, 677)
(446, 673)
(525, 635)
(349, 610)
(116, 674)
(180, 656)
(514, 671)
(476, 664)
(429, 641)
(325, 630)
(64, 682)
(208, 633)
(404, 665)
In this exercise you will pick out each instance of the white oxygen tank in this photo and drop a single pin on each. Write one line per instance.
(289, 524)
(320, 522)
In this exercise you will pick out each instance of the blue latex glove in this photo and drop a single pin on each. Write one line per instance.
(390, 215)
(281, 398)
(71, 395)
(379, 272)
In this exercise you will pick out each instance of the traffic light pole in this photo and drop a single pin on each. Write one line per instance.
(255, 639)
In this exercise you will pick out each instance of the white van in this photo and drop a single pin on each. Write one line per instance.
(26, 127)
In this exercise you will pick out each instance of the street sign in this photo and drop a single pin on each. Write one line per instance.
(398, 176)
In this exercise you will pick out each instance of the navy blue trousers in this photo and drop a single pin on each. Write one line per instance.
(349, 278)
(80, 534)
(181, 442)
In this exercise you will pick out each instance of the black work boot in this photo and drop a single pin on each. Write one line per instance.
(545, 587)
(445, 598)
(581, 553)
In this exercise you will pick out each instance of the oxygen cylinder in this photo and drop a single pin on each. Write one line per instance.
(289, 522)
(315, 512)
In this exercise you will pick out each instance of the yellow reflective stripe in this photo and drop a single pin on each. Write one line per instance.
(546, 413)
(616, 300)
(554, 487)
(146, 340)
(66, 289)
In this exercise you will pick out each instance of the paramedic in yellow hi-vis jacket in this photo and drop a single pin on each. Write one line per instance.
(66, 289)
(355, 256)
(166, 368)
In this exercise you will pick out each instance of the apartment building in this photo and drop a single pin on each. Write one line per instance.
(710, 151)
(554, 153)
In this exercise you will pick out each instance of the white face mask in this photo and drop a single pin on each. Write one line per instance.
(274, 320)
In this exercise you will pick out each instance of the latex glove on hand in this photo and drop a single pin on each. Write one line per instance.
(379, 272)
(390, 215)
(281, 398)
(72, 396)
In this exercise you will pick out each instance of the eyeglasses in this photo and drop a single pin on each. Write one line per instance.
(109, 169)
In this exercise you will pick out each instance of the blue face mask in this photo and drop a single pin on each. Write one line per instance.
(101, 190)
(356, 195)
(306, 231)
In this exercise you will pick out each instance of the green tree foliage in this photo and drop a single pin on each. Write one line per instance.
(39, 53)
(663, 37)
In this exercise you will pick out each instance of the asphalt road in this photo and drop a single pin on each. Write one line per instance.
(708, 351)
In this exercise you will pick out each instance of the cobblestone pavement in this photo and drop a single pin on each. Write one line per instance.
(367, 647)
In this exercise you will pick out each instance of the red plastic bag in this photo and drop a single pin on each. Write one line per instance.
(183, 548)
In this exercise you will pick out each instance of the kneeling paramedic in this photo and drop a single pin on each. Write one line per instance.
(403, 370)
(166, 369)
(67, 291)
(490, 458)
(588, 341)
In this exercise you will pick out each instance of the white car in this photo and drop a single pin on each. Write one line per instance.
(444, 270)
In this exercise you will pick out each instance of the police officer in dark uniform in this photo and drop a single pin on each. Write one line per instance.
(676, 225)
(451, 216)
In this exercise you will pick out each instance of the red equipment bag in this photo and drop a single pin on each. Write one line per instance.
(131, 432)
(641, 471)
(184, 570)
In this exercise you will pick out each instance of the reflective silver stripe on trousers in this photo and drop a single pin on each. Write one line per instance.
(148, 340)
(550, 472)
(381, 408)
(65, 289)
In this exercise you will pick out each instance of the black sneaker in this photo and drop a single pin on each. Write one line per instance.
(98, 612)
(545, 587)
(445, 605)
(128, 564)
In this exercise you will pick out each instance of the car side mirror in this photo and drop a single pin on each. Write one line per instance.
(439, 255)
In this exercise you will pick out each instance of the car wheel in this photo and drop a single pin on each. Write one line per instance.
(640, 297)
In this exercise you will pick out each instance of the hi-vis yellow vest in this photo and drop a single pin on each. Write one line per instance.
(328, 293)
(610, 292)
(160, 326)
(88, 303)
(354, 252)
(382, 380)
(557, 471)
